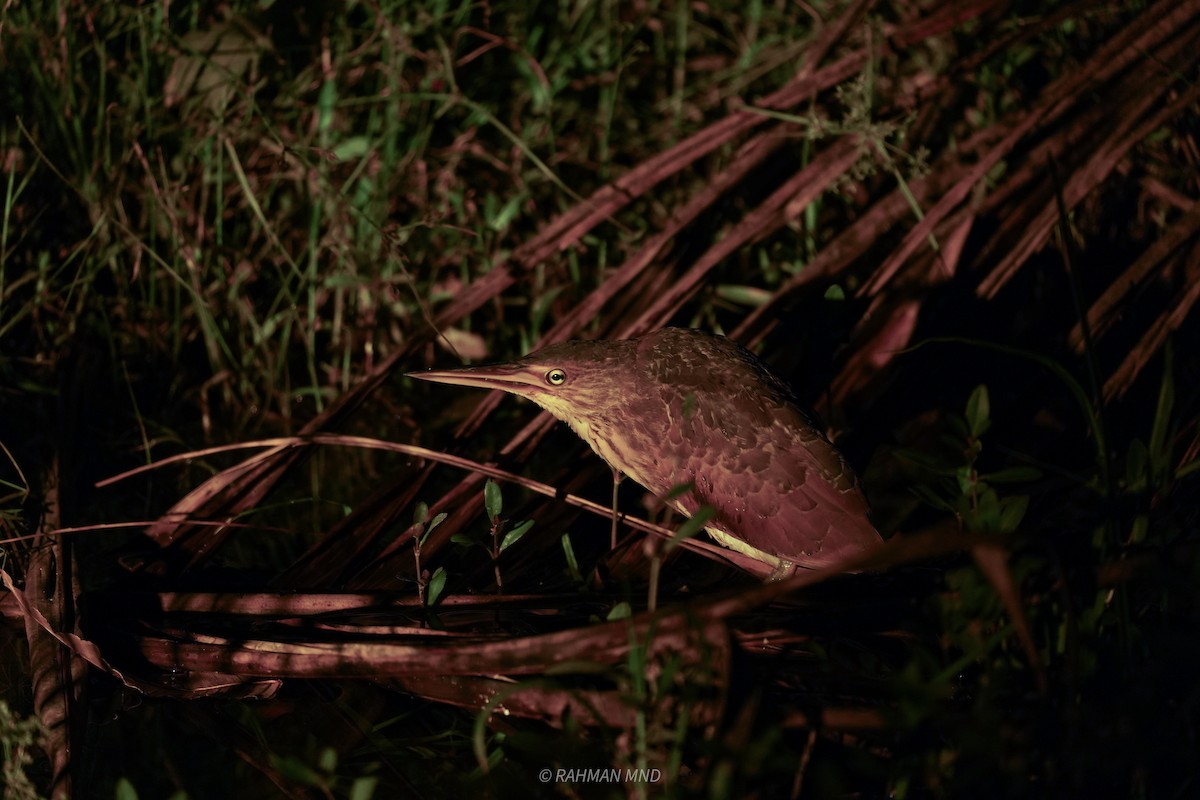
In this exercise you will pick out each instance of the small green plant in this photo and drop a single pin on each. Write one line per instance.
(664, 686)
(1151, 469)
(422, 527)
(493, 506)
(323, 775)
(959, 487)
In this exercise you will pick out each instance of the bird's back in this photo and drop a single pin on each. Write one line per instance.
(716, 418)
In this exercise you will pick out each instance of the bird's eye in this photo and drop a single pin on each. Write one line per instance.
(556, 377)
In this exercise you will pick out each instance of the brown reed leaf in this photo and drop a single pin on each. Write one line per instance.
(1106, 309)
(1154, 339)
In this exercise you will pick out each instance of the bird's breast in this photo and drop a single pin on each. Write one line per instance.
(629, 447)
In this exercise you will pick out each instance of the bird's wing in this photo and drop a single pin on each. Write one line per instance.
(776, 483)
(733, 430)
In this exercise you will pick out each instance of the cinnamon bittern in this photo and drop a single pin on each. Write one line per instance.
(681, 407)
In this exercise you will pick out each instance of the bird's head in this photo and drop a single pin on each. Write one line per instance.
(571, 380)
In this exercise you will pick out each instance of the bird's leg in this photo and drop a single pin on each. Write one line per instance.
(616, 482)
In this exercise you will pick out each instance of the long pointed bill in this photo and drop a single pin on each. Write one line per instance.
(518, 379)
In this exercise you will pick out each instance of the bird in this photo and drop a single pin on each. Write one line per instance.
(698, 420)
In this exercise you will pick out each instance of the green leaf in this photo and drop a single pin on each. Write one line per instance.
(501, 219)
(988, 517)
(1012, 511)
(572, 562)
(513, 536)
(327, 760)
(1139, 529)
(679, 490)
(420, 514)
(692, 526)
(979, 411)
(124, 790)
(363, 788)
(438, 520)
(621, 610)
(541, 305)
(296, 770)
(968, 480)
(354, 147)
(1135, 465)
(835, 292)
(750, 296)
(463, 539)
(436, 584)
(492, 501)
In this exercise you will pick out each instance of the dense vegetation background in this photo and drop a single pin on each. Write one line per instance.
(964, 230)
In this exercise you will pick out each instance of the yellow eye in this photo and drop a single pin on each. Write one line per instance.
(556, 377)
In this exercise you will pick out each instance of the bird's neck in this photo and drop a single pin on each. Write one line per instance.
(617, 444)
